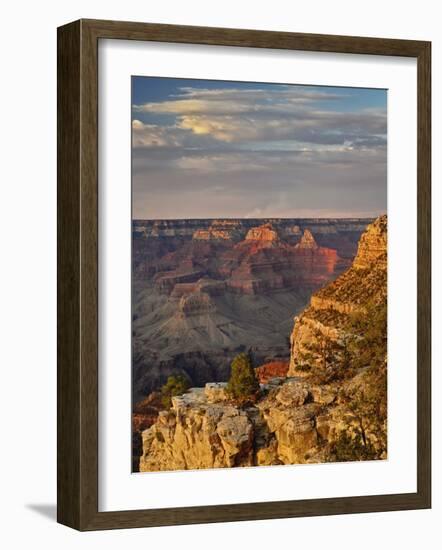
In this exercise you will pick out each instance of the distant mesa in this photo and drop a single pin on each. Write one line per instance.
(307, 241)
(226, 223)
(219, 230)
(264, 232)
(211, 234)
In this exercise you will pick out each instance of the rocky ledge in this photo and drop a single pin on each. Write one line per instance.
(293, 422)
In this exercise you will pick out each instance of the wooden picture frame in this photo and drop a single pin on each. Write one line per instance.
(78, 274)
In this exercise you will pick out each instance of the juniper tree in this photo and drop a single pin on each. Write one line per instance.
(243, 383)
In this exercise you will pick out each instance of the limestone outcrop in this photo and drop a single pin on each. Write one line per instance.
(372, 247)
(196, 433)
(293, 422)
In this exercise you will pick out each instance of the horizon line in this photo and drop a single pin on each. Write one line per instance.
(264, 218)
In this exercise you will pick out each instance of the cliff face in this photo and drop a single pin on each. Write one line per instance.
(294, 422)
(259, 263)
(202, 432)
(325, 324)
(372, 249)
(197, 434)
(265, 262)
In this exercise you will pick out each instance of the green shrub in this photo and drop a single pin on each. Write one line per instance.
(175, 385)
(243, 383)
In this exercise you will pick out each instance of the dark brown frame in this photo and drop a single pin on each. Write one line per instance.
(78, 268)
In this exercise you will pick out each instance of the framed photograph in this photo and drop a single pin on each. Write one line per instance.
(243, 275)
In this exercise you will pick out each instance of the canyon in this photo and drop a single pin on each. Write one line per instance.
(205, 290)
(326, 399)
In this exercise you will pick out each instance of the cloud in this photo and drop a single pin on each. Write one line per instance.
(258, 152)
(284, 164)
(223, 128)
(234, 101)
(150, 135)
(238, 115)
(318, 127)
(251, 184)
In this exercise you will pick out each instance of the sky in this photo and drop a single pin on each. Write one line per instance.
(212, 149)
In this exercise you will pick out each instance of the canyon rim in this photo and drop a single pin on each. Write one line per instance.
(259, 274)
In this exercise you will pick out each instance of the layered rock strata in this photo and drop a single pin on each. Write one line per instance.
(263, 262)
(328, 318)
(294, 422)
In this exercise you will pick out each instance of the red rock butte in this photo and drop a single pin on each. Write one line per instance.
(307, 240)
(262, 233)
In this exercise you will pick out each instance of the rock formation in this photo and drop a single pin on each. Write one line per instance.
(340, 234)
(325, 323)
(307, 241)
(329, 406)
(220, 230)
(372, 249)
(265, 235)
(294, 422)
(197, 434)
(264, 262)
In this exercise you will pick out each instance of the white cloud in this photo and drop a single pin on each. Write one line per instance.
(151, 135)
(237, 115)
(229, 101)
(251, 152)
